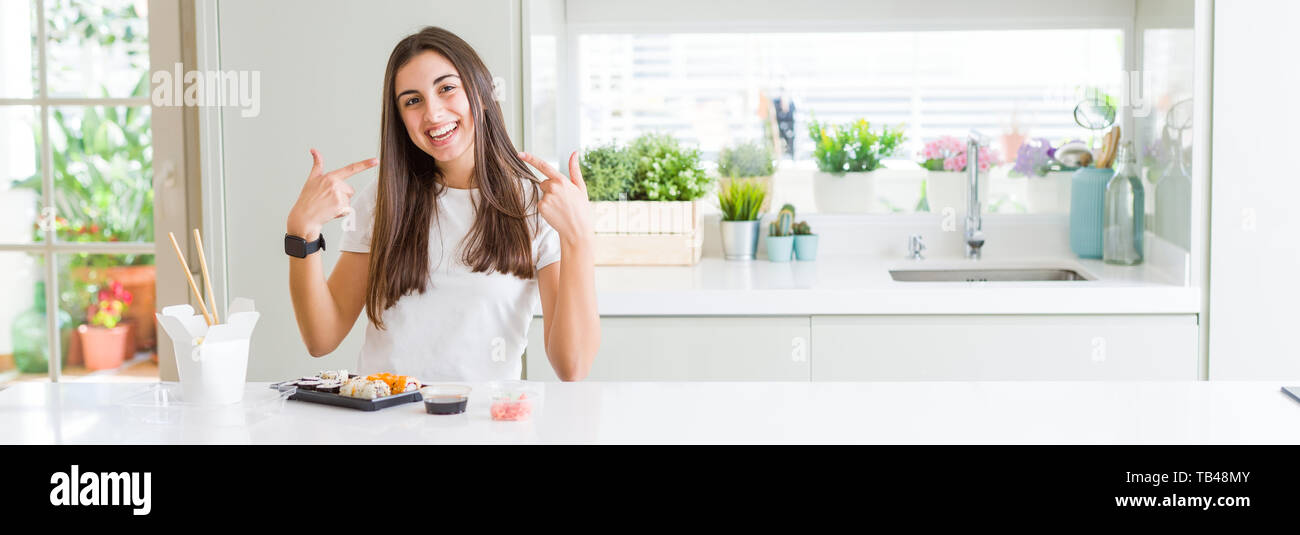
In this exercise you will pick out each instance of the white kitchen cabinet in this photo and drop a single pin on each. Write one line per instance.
(1000, 347)
(689, 349)
(1252, 218)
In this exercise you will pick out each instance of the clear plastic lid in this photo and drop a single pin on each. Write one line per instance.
(444, 393)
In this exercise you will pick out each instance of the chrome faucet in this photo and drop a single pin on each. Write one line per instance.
(914, 247)
(974, 223)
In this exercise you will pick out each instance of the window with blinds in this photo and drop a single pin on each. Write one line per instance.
(706, 88)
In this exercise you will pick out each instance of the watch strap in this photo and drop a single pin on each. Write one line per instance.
(299, 248)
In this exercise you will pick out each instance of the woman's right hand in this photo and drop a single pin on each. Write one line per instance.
(325, 196)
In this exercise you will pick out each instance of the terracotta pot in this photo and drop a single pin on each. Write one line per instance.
(74, 350)
(141, 282)
(132, 330)
(104, 348)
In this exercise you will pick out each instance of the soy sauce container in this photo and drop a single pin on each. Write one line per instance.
(445, 399)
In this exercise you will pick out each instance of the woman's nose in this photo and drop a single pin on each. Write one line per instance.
(434, 113)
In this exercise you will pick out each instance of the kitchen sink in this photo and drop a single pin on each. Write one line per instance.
(986, 275)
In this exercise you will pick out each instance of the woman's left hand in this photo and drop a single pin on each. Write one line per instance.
(564, 203)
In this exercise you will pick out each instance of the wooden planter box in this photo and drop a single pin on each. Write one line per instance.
(648, 233)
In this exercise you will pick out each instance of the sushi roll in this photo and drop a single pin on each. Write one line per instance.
(350, 388)
(373, 389)
(331, 387)
(308, 384)
(334, 375)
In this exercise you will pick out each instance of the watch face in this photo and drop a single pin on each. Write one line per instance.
(295, 246)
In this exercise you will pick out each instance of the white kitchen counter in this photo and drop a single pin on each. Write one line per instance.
(862, 285)
(592, 412)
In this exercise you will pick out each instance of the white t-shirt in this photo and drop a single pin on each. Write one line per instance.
(465, 326)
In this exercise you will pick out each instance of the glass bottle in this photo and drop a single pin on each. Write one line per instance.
(30, 345)
(1122, 224)
(1173, 201)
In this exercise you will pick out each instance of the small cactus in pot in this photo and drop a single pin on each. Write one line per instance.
(805, 242)
(780, 237)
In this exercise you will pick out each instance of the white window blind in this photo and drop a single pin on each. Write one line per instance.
(704, 87)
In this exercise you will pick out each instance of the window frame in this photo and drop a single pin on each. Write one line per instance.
(595, 17)
(164, 48)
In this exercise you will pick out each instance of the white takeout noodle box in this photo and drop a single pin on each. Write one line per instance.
(212, 372)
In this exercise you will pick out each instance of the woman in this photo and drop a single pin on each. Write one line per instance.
(449, 251)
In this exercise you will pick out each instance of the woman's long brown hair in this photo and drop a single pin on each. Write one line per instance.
(410, 181)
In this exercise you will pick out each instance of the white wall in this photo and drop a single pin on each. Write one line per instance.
(1254, 257)
(322, 65)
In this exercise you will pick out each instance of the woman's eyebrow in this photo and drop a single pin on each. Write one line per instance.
(435, 82)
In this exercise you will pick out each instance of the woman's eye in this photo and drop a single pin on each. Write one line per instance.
(446, 88)
(412, 100)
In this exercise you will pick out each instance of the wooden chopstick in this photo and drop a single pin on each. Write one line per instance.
(207, 282)
(194, 287)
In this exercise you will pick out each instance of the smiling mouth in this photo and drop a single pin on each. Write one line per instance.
(445, 133)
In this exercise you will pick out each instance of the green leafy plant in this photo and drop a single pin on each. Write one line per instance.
(102, 156)
(666, 171)
(783, 226)
(102, 160)
(852, 147)
(102, 169)
(748, 159)
(741, 200)
(802, 229)
(608, 171)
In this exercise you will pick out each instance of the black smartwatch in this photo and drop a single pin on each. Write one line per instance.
(300, 248)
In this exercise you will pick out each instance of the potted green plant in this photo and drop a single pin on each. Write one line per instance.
(805, 242)
(607, 170)
(646, 209)
(752, 161)
(780, 236)
(846, 156)
(741, 203)
(105, 342)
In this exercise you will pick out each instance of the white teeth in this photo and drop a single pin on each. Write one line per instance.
(444, 132)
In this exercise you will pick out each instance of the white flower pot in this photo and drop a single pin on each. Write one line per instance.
(844, 192)
(1048, 194)
(947, 189)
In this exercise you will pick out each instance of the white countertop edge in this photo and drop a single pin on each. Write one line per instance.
(956, 412)
(990, 298)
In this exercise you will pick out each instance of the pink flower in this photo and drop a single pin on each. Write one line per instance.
(952, 151)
